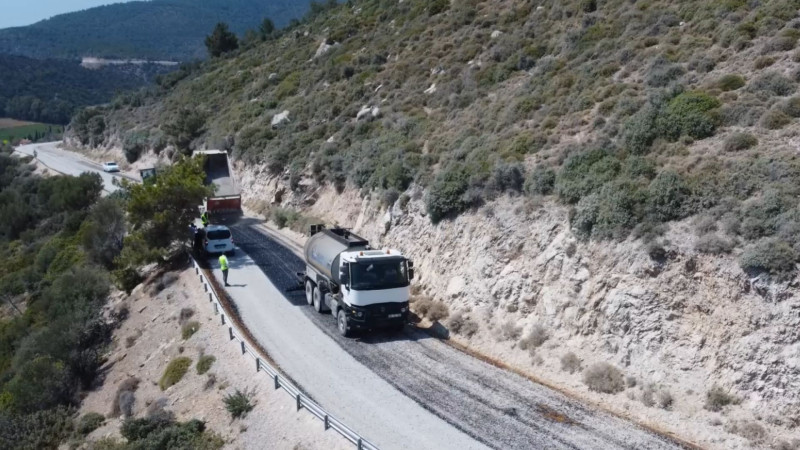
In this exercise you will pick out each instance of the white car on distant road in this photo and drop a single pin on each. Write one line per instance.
(110, 167)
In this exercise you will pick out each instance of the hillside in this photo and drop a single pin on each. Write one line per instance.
(156, 30)
(613, 181)
(51, 90)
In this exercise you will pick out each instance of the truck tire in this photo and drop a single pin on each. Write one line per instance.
(319, 303)
(310, 291)
(342, 325)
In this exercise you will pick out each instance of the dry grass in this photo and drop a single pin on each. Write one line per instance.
(459, 323)
(509, 331)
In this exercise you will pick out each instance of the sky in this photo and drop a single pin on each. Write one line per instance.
(25, 12)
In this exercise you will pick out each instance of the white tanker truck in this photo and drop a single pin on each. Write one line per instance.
(364, 288)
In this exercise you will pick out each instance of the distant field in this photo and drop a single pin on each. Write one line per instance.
(12, 129)
(12, 123)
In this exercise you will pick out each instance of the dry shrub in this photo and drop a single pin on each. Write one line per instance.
(125, 398)
(460, 324)
(509, 330)
(185, 314)
(570, 363)
(535, 338)
(648, 397)
(603, 377)
(434, 310)
(750, 430)
(717, 398)
(438, 311)
(211, 380)
(665, 399)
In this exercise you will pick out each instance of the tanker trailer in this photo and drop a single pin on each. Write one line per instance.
(364, 288)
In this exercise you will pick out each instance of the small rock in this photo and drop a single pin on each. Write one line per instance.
(496, 34)
(280, 119)
(431, 89)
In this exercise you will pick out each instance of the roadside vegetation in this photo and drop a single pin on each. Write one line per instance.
(473, 100)
(60, 241)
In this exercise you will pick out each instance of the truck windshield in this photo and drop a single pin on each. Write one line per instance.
(378, 275)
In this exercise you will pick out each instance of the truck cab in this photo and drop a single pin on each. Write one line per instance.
(364, 288)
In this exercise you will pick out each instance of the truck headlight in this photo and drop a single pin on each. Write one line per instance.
(403, 309)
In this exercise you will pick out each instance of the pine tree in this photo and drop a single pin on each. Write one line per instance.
(221, 40)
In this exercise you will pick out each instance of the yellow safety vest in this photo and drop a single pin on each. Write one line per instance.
(204, 218)
(223, 262)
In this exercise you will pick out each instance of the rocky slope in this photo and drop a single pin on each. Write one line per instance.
(611, 179)
(681, 324)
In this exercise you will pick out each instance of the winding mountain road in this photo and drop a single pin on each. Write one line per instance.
(406, 390)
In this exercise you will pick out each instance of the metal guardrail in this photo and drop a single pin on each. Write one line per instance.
(280, 382)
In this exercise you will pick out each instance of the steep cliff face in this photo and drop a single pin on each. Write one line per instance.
(679, 323)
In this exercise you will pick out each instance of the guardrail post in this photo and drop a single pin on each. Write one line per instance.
(360, 444)
(243, 350)
(277, 383)
(201, 278)
(216, 309)
(230, 332)
(258, 364)
(210, 298)
(223, 319)
(327, 425)
(205, 287)
(299, 406)
(196, 270)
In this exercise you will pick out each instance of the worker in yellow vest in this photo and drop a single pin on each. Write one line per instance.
(204, 218)
(223, 265)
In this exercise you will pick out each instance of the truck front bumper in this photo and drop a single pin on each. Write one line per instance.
(379, 315)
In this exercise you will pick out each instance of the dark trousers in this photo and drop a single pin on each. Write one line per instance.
(225, 276)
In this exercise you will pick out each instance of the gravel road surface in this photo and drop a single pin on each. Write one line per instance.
(495, 407)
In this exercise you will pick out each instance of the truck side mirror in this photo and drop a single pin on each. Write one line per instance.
(410, 274)
(344, 274)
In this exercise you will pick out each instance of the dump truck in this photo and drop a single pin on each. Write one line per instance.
(227, 198)
(364, 288)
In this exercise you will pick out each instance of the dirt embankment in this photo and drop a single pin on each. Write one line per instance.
(677, 327)
(151, 337)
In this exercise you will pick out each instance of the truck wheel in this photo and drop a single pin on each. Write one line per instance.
(319, 304)
(310, 292)
(342, 325)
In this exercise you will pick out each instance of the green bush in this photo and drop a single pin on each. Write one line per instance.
(189, 329)
(90, 422)
(730, 82)
(585, 172)
(43, 429)
(165, 433)
(739, 141)
(662, 72)
(507, 177)
(666, 195)
(611, 212)
(446, 196)
(239, 403)
(174, 372)
(769, 255)
(690, 114)
(134, 144)
(540, 181)
(438, 6)
(204, 364)
(762, 62)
